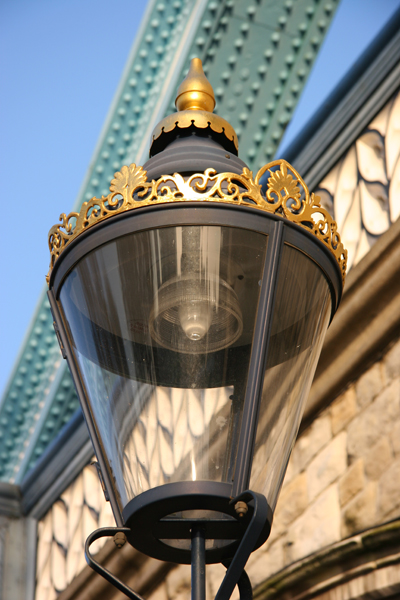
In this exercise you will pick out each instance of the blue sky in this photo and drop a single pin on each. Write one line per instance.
(61, 64)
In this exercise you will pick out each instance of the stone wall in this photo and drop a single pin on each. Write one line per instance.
(343, 477)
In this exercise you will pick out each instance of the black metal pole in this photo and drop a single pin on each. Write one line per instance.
(198, 563)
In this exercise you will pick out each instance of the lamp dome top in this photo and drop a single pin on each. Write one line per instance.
(195, 102)
(195, 91)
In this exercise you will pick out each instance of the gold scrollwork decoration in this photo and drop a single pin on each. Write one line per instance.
(286, 195)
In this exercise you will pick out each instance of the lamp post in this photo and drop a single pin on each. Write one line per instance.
(191, 307)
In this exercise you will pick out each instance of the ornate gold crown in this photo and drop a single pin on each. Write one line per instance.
(286, 195)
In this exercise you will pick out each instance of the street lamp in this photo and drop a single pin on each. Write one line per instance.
(191, 307)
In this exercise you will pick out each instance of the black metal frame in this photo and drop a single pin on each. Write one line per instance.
(279, 230)
(235, 574)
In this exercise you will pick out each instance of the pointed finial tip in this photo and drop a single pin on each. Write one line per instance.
(195, 91)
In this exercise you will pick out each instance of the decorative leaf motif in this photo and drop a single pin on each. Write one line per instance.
(128, 180)
(283, 186)
(130, 189)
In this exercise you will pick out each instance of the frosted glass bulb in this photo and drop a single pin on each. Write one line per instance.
(195, 318)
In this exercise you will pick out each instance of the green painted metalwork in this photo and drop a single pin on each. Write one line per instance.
(257, 56)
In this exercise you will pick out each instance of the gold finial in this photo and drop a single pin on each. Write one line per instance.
(195, 91)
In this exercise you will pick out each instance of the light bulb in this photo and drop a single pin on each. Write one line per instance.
(195, 318)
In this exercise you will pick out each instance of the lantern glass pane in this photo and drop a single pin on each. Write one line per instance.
(301, 317)
(161, 324)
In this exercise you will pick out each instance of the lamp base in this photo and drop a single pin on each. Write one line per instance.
(161, 520)
(253, 536)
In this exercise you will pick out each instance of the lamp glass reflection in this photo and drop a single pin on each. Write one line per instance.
(161, 324)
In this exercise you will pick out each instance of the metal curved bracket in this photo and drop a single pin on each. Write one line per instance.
(108, 532)
(235, 574)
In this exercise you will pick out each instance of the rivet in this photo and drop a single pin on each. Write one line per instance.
(149, 38)
(238, 89)
(200, 42)
(283, 75)
(268, 54)
(275, 37)
(296, 43)
(238, 43)
(127, 98)
(116, 126)
(100, 169)
(302, 27)
(308, 57)
(160, 7)
(143, 53)
(207, 25)
(138, 68)
(122, 111)
(132, 83)
(301, 73)
(154, 23)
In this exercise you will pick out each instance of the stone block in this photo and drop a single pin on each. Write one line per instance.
(159, 594)
(343, 410)
(374, 422)
(317, 527)
(395, 438)
(214, 576)
(361, 512)
(292, 501)
(369, 385)
(391, 362)
(378, 459)
(312, 440)
(352, 482)
(265, 564)
(327, 466)
(178, 583)
(389, 490)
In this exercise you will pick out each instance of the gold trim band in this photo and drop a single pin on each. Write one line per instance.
(201, 119)
(287, 195)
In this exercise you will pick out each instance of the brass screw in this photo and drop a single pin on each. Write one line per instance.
(119, 539)
(241, 508)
